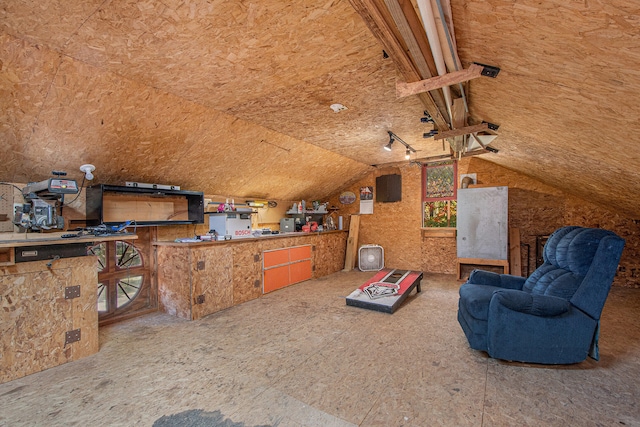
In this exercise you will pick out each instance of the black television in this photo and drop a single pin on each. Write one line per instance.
(389, 188)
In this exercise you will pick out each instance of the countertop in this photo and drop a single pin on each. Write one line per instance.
(247, 239)
(14, 240)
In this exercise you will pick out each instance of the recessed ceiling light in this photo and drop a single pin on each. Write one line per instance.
(338, 107)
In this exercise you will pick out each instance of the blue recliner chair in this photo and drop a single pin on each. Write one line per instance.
(551, 317)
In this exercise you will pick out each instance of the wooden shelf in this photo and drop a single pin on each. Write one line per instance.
(307, 212)
(504, 263)
(113, 204)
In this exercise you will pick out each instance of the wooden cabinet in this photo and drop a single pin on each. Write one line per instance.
(284, 267)
(114, 204)
(194, 281)
(49, 315)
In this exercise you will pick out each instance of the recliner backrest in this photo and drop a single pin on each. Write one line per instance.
(571, 255)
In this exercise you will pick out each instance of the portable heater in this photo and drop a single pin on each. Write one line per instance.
(371, 258)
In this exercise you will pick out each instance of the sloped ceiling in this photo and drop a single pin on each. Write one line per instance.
(232, 97)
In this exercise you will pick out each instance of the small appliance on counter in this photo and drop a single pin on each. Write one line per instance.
(310, 227)
(237, 225)
(287, 225)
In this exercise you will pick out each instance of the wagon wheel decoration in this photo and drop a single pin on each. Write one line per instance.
(118, 283)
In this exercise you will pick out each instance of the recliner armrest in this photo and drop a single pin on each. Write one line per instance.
(537, 305)
(506, 281)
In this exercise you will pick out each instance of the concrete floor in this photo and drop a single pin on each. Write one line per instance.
(301, 357)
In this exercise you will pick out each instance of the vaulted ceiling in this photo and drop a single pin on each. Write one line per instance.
(233, 97)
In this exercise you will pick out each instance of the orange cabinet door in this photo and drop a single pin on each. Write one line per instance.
(300, 271)
(276, 278)
(299, 253)
(278, 257)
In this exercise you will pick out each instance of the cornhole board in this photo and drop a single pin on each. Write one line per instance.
(386, 290)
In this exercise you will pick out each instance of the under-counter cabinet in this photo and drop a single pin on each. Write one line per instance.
(284, 267)
(194, 281)
(49, 315)
(199, 278)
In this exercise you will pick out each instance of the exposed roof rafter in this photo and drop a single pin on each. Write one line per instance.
(381, 27)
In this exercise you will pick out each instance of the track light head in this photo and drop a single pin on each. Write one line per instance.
(407, 154)
(391, 139)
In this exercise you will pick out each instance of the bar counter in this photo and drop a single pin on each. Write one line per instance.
(196, 279)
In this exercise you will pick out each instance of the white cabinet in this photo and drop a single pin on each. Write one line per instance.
(483, 227)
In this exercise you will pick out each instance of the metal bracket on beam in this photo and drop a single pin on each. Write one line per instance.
(488, 70)
(492, 126)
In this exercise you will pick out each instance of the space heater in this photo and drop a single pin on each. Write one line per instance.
(371, 258)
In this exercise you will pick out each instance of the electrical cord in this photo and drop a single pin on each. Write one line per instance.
(79, 191)
(13, 185)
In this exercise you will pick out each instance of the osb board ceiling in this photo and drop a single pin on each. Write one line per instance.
(232, 97)
(566, 95)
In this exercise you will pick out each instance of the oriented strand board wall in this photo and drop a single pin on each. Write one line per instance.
(577, 212)
(439, 254)
(535, 208)
(538, 209)
(394, 226)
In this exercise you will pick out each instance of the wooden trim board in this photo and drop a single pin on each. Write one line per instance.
(514, 251)
(352, 243)
(504, 263)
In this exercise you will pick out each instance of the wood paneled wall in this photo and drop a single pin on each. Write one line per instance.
(535, 208)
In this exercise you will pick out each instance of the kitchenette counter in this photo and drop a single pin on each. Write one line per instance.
(196, 279)
(263, 237)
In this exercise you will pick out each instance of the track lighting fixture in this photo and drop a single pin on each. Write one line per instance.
(393, 137)
(388, 146)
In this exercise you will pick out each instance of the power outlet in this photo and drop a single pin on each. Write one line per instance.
(200, 299)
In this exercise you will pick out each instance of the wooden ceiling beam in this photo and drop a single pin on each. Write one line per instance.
(407, 89)
(462, 131)
(409, 38)
(380, 26)
(411, 30)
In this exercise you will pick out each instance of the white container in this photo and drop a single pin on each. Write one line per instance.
(236, 225)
